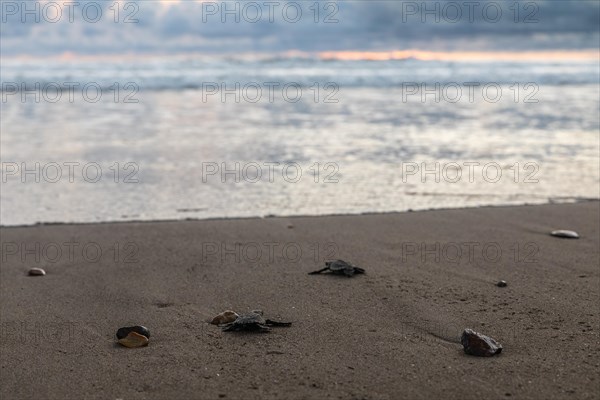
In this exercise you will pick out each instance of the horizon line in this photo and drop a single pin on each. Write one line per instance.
(347, 55)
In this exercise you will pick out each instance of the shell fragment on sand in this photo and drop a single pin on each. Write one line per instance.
(565, 234)
(123, 332)
(36, 272)
(476, 344)
(134, 339)
(225, 317)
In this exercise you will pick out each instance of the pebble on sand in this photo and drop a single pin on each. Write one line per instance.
(36, 272)
(501, 284)
(225, 317)
(476, 344)
(565, 234)
(134, 339)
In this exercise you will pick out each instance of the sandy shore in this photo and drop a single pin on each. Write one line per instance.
(389, 334)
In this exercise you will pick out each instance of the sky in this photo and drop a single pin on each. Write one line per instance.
(87, 27)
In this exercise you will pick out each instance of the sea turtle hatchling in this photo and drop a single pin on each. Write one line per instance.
(340, 267)
(252, 322)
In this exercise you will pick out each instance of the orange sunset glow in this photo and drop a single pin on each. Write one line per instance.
(583, 55)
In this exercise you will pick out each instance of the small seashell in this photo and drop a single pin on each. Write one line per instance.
(134, 339)
(225, 317)
(142, 330)
(565, 234)
(36, 272)
(502, 284)
(480, 345)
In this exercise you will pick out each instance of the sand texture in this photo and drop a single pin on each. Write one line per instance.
(391, 333)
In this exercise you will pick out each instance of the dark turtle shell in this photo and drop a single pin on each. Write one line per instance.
(340, 267)
(253, 322)
(250, 322)
(252, 318)
(142, 330)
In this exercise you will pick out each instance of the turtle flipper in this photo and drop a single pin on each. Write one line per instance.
(228, 327)
(318, 271)
(350, 270)
(263, 328)
(231, 327)
(270, 322)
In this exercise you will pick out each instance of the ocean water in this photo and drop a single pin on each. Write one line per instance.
(197, 137)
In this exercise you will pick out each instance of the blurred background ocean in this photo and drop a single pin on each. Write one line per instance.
(513, 105)
(364, 130)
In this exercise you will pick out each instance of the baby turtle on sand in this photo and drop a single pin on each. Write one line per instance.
(339, 267)
(565, 234)
(476, 344)
(133, 336)
(253, 322)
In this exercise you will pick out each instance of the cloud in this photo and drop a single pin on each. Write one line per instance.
(278, 26)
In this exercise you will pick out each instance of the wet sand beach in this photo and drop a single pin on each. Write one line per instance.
(391, 333)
